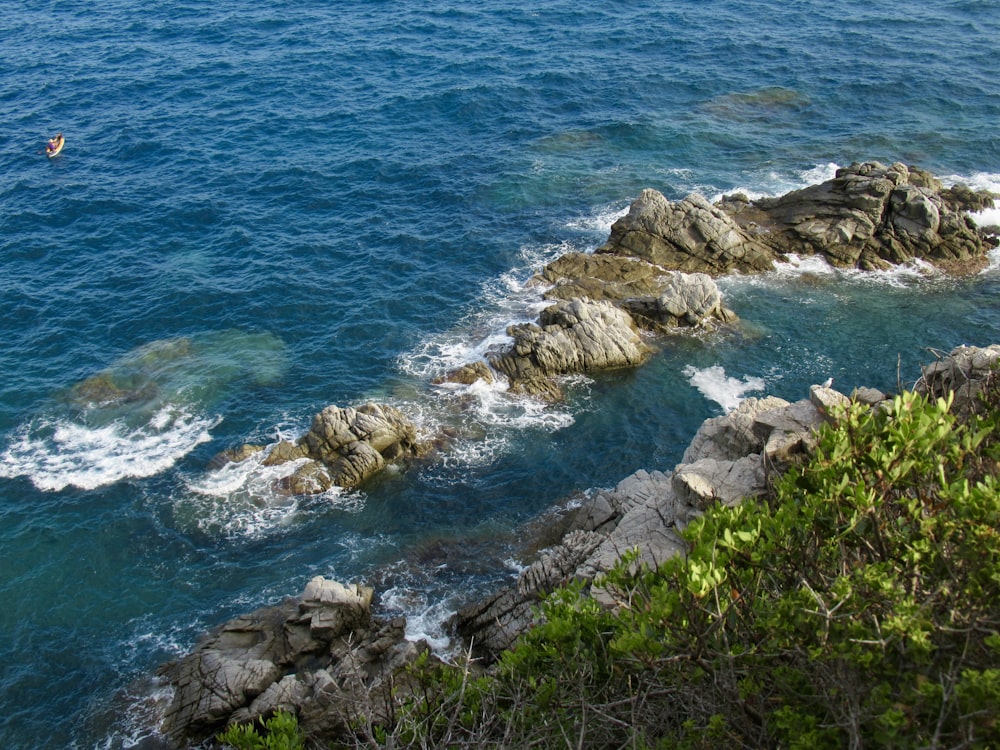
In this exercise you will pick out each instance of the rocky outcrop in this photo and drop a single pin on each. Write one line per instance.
(689, 235)
(326, 658)
(344, 447)
(729, 460)
(571, 336)
(868, 216)
(658, 263)
(963, 372)
(581, 334)
(321, 656)
(657, 299)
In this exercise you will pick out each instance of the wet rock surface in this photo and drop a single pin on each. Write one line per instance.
(344, 447)
(322, 656)
(869, 216)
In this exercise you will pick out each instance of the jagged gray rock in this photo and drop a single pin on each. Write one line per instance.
(869, 216)
(343, 447)
(710, 481)
(572, 336)
(732, 436)
(827, 401)
(649, 517)
(689, 235)
(322, 656)
(963, 371)
(327, 659)
(727, 461)
(492, 625)
(684, 300)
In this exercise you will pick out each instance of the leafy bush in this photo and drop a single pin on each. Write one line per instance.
(858, 605)
(280, 732)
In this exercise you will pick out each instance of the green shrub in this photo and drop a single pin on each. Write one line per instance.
(280, 732)
(858, 605)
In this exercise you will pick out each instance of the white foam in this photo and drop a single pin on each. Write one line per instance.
(994, 261)
(55, 453)
(482, 416)
(495, 406)
(902, 276)
(773, 184)
(989, 181)
(511, 298)
(246, 475)
(243, 499)
(425, 618)
(715, 385)
(482, 421)
(819, 173)
(137, 723)
(988, 217)
(815, 267)
(599, 223)
(976, 181)
(796, 265)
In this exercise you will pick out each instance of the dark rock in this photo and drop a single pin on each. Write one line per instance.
(571, 336)
(468, 374)
(869, 216)
(322, 656)
(344, 447)
(492, 625)
(234, 455)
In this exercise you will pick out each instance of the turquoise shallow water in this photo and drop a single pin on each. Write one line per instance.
(262, 211)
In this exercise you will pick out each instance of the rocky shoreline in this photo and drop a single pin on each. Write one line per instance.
(325, 654)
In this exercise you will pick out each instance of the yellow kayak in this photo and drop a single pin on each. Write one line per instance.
(55, 145)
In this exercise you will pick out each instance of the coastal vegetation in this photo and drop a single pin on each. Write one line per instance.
(858, 604)
(280, 732)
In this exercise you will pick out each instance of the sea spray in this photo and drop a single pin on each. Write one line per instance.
(56, 453)
(715, 385)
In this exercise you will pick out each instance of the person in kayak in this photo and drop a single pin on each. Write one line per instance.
(54, 143)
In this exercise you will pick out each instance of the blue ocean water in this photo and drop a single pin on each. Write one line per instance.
(265, 209)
